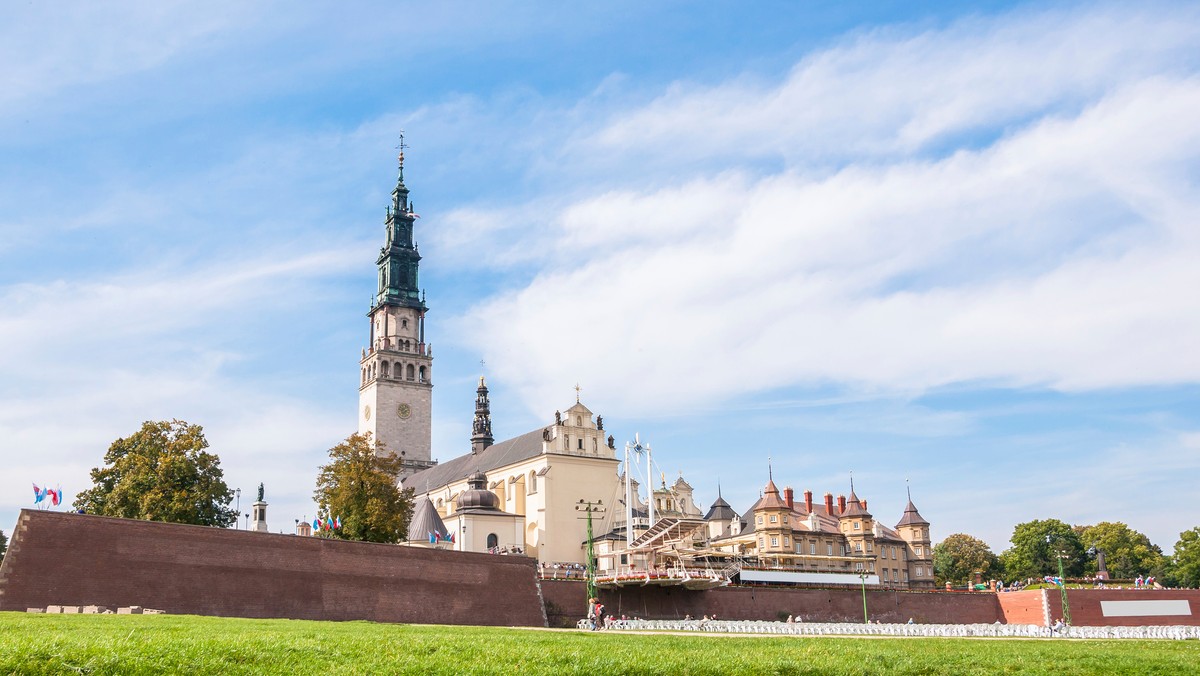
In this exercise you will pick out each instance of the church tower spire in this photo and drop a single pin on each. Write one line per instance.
(396, 380)
(481, 436)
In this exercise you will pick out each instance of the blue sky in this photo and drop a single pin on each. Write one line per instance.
(955, 243)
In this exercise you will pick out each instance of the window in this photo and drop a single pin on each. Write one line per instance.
(885, 575)
(492, 541)
(857, 525)
(870, 548)
(774, 519)
(410, 371)
(893, 552)
(906, 576)
(760, 543)
(385, 369)
(858, 566)
(579, 443)
(532, 483)
(799, 546)
(421, 374)
(758, 520)
(858, 548)
(918, 551)
(812, 547)
(787, 542)
(404, 323)
(920, 571)
(829, 547)
(774, 542)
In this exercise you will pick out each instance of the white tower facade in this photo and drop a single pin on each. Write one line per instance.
(396, 380)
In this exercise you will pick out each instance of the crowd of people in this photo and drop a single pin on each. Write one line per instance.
(565, 571)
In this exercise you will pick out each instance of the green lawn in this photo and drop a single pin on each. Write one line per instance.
(112, 644)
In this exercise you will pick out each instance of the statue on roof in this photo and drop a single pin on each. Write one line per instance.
(558, 417)
(600, 423)
(260, 492)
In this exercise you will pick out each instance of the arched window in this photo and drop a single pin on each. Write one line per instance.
(410, 371)
(492, 541)
(404, 323)
(385, 369)
(421, 374)
(364, 375)
(531, 485)
(578, 421)
(398, 370)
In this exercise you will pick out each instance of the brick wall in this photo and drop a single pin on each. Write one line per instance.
(1023, 607)
(566, 604)
(69, 559)
(1086, 609)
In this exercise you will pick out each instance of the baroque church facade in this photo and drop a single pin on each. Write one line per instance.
(531, 494)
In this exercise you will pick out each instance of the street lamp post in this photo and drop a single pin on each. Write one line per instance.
(863, 576)
(589, 508)
(1062, 582)
(238, 508)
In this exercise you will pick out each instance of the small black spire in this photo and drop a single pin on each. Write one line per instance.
(481, 429)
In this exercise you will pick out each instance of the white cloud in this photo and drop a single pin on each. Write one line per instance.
(1058, 252)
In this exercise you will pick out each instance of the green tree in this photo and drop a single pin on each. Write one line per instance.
(1031, 556)
(3, 544)
(161, 473)
(956, 558)
(1185, 562)
(361, 488)
(1127, 553)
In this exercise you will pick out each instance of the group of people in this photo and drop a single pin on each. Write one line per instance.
(562, 570)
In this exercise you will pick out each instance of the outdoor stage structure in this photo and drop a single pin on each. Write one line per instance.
(63, 559)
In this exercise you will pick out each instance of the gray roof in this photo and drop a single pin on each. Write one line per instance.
(425, 520)
(911, 516)
(503, 453)
(720, 510)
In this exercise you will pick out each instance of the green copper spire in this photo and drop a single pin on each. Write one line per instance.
(398, 258)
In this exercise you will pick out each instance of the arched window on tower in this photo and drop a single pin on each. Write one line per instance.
(410, 371)
(385, 369)
(398, 370)
(492, 541)
(364, 375)
(531, 485)
(421, 374)
(404, 323)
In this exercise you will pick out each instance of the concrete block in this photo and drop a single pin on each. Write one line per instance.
(54, 609)
(35, 610)
(152, 611)
(131, 610)
(70, 610)
(94, 610)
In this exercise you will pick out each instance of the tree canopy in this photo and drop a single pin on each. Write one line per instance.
(361, 488)
(3, 544)
(1185, 562)
(1032, 556)
(161, 473)
(1127, 552)
(956, 558)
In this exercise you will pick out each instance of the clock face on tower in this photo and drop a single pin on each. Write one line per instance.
(366, 412)
(404, 411)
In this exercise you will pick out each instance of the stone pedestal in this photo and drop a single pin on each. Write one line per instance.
(258, 513)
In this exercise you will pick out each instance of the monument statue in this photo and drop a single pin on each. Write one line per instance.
(260, 492)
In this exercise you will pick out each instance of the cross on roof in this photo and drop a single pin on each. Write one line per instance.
(401, 146)
(577, 389)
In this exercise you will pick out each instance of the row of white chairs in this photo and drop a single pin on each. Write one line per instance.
(1174, 632)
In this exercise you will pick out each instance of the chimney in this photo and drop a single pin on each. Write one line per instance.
(841, 504)
(829, 503)
(787, 496)
(864, 504)
(808, 501)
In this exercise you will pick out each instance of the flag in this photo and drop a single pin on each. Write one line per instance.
(432, 539)
(57, 496)
(337, 523)
(450, 536)
(413, 214)
(316, 524)
(37, 494)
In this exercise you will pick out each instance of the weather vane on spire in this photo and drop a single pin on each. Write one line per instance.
(577, 389)
(401, 146)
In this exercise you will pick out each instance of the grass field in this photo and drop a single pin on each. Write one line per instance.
(124, 644)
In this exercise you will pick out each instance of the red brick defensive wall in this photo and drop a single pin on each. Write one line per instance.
(69, 559)
(1128, 607)
(565, 604)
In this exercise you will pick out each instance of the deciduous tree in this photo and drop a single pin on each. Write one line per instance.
(162, 472)
(1032, 556)
(956, 558)
(3, 544)
(1127, 553)
(361, 488)
(1185, 562)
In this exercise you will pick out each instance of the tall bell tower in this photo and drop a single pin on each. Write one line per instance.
(395, 393)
